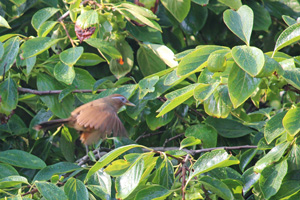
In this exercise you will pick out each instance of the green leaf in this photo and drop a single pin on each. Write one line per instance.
(18, 2)
(64, 73)
(218, 104)
(120, 67)
(50, 191)
(246, 158)
(4, 23)
(1, 50)
(89, 59)
(292, 77)
(272, 156)
(107, 158)
(262, 18)
(132, 176)
(269, 67)
(164, 175)
(139, 9)
(149, 62)
(30, 62)
(189, 141)
(65, 92)
(229, 128)
(17, 125)
(204, 91)
(87, 19)
(176, 98)
(117, 167)
(21, 159)
(55, 169)
(67, 145)
(41, 16)
(145, 33)
(207, 134)
(11, 49)
(146, 86)
(63, 109)
(155, 123)
(287, 37)
(238, 81)
(191, 25)
(36, 46)
(104, 47)
(179, 9)
(9, 96)
(7, 170)
(291, 121)
(271, 178)
(194, 61)
(287, 189)
(240, 22)
(71, 55)
(250, 179)
(100, 184)
(135, 16)
(233, 4)
(12, 181)
(201, 2)
(274, 127)
(210, 161)
(153, 192)
(165, 54)
(250, 59)
(216, 186)
(73, 7)
(294, 157)
(76, 190)
(289, 20)
(46, 27)
(236, 188)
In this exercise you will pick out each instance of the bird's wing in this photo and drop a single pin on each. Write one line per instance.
(101, 118)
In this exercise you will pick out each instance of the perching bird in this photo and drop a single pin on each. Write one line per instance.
(95, 119)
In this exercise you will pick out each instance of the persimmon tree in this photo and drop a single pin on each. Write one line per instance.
(215, 84)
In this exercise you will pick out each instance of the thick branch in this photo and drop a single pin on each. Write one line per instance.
(85, 159)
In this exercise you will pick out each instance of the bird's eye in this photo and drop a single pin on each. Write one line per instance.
(123, 99)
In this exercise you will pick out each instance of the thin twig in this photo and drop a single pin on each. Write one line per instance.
(172, 138)
(47, 92)
(180, 160)
(184, 168)
(30, 192)
(67, 32)
(148, 135)
(85, 158)
(64, 16)
(193, 152)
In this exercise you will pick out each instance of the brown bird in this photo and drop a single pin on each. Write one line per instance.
(95, 119)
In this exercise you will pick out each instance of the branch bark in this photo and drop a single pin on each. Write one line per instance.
(31, 91)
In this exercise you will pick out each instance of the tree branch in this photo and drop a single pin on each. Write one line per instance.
(184, 168)
(172, 138)
(85, 158)
(27, 90)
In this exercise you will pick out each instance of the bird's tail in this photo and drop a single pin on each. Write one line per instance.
(50, 124)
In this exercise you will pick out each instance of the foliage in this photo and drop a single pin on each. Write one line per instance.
(206, 77)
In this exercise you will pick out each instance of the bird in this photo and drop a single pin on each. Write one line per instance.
(94, 120)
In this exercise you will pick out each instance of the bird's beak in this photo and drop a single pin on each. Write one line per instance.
(128, 103)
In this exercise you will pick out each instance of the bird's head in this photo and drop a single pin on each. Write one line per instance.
(117, 101)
